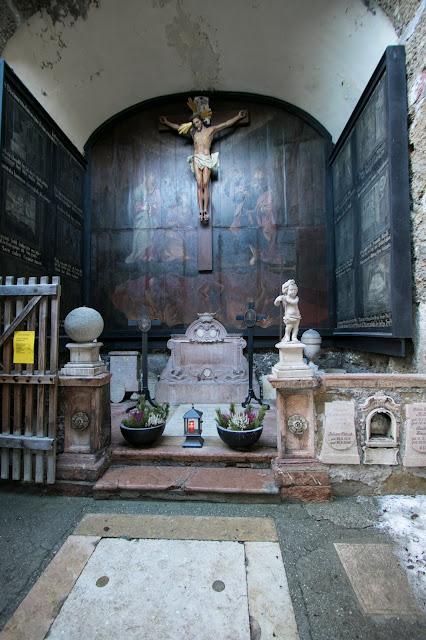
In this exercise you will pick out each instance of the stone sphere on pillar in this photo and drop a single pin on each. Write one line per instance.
(84, 324)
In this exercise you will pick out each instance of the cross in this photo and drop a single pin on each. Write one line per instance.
(145, 323)
(204, 228)
(250, 318)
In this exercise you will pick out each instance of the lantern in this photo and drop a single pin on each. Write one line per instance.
(192, 427)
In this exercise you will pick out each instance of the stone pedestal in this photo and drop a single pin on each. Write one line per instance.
(295, 416)
(291, 363)
(84, 360)
(206, 365)
(87, 427)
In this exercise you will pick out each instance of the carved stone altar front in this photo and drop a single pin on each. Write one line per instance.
(206, 365)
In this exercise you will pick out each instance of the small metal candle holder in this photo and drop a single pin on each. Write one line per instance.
(192, 425)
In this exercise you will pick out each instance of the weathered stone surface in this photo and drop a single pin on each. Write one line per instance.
(415, 435)
(111, 525)
(269, 596)
(158, 589)
(40, 607)
(90, 398)
(188, 480)
(83, 324)
(206, 365)
(75, 466)
(404, 483)
(380, 456)
(232, 480)
(377, 579)
(296, 477)
(306, 494)
(339, 445)
(125, 369)
(291, 364)
(374, 381)
(290, 407)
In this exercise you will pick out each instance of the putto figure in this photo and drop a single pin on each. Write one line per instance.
(202, 162)
(292, 316)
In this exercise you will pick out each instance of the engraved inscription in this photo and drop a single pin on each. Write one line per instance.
(418, 428)
(340, 427)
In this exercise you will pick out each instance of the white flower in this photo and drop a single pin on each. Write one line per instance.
(154, 420)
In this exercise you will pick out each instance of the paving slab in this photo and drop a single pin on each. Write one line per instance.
(38, 610)
(111, 525)
(171, 589)
(270, 606)
(379, 582)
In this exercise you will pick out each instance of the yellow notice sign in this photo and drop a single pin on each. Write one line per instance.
(23, 347)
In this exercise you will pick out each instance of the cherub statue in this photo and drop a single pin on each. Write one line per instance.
(202, 162)
(292, 316)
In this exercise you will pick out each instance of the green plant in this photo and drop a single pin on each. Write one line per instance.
(144, 415)
(240, 420)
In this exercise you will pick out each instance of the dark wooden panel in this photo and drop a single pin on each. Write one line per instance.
(268, 218)
(42, 185)
(371, 220)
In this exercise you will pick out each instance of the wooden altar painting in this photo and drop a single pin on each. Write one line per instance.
(268, 217)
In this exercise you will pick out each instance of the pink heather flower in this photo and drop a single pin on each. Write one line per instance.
(137, 415)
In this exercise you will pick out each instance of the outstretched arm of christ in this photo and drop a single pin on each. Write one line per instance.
(228, 123)
(172, 125)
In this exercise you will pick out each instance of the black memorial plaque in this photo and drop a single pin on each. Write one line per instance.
(371, 219)
(41, 179)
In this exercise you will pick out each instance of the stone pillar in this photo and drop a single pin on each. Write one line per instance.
(295, 416)
(87, 427)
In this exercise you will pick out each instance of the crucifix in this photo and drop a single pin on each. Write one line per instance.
(250, 318)
(202, 128)
(145, 323)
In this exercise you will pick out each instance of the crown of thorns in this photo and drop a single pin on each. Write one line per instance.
(207, 113)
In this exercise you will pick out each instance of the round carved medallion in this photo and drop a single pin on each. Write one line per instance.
(80, 421)
(297, 424)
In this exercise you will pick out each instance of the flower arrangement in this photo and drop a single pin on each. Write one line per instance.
(246, 420)
(143, 416)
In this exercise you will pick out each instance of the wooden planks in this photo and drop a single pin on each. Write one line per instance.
(29, 391)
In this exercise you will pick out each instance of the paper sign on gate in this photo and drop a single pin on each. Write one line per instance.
(23, 347)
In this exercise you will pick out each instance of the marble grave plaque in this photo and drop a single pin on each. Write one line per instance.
(339, 442)
(415, 435)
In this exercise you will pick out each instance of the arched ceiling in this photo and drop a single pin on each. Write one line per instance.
(88, 64)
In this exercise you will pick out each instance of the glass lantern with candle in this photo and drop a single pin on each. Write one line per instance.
(192, 425)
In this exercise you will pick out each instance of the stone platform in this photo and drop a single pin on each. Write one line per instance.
(214, 473)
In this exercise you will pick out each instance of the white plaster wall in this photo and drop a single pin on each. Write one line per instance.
(315, 54)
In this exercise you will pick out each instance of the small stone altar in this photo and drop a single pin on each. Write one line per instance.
(206, 365)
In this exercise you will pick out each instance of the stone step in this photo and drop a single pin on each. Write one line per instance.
(188, 483)
(170, 451)
(295, 481)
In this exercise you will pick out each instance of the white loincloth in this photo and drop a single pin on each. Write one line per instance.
(202, 161)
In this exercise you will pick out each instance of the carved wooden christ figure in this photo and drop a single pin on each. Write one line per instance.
(202, 162)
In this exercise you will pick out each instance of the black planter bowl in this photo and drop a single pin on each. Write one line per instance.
(239, 439)
(142, 437)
